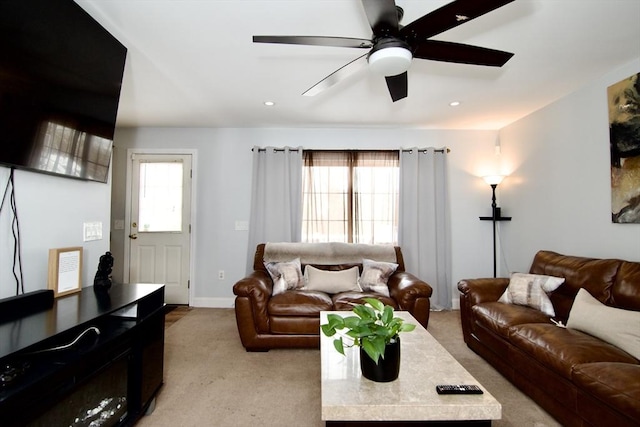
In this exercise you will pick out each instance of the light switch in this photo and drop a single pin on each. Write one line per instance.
(242, 225)
(118, 224)
(92, 231)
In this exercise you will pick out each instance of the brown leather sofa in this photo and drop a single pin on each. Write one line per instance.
(578, 378)
(292, 319)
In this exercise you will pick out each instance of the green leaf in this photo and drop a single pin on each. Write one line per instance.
(387, 315)
(379, 344)
(336, 321)
(376, 304)
(407, 327)
(339, 345)
(370, 349)
(351, 322)
(328, 330)
(364, 312)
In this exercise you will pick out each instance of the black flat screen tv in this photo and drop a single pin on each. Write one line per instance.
(60, 79)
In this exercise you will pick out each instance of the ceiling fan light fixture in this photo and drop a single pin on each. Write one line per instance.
(390, 61)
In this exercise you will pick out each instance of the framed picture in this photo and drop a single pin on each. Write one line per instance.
(65, 270)
(624, 142)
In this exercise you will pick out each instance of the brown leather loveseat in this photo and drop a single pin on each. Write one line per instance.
(291, 319)
(578, 378)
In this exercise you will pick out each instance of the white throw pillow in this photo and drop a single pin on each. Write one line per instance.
(331, 282)
(375, 275)
(285, 275)
(613, 325)
(531, 290)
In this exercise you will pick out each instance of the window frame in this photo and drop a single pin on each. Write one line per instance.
(351, 159)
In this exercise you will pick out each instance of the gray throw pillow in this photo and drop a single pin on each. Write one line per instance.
(531, 290)
(285, 275)
(375, 275)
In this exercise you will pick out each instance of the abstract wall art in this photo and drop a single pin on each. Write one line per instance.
(624, 141)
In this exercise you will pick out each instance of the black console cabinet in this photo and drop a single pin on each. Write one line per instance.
(93, 354)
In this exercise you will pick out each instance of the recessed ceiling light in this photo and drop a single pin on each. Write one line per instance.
(269, 103)
(454, 103)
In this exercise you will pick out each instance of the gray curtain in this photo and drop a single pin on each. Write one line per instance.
(276, 197)
(424, 224)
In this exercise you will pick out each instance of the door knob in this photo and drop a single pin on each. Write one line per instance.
(133, 236)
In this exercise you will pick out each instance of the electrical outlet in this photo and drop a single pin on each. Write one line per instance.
(221, 274)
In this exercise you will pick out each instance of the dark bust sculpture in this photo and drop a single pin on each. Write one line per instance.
(102, 281)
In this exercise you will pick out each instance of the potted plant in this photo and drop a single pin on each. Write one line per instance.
(376, 331)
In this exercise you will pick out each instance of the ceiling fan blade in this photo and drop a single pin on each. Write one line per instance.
(448, 16)
(316, 41)
(460, 53)
(382, 16)
(398, 86)
(338, 75)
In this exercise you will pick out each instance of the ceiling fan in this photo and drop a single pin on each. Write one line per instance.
(392, 46)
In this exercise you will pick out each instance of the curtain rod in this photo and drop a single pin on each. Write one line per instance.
(441, 150)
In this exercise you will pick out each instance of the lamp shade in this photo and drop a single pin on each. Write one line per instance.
(390, 61)
(493, 179)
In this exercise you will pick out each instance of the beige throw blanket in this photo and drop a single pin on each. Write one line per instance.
(328, 253)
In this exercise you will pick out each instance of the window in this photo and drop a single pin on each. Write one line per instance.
(160, 198)
(350, 196)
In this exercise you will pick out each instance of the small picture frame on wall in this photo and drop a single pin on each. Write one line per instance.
(65, 270)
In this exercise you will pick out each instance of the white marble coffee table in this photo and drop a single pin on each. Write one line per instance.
(349, 397)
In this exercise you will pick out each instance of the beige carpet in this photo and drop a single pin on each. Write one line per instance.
(210, 380)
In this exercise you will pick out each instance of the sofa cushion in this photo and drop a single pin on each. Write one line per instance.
(560, 349)
(299, 303)
(531, 290)
(331, 282)
(345, 301)
(294, 325)
(499, 317)
(613, 325)
(285, 275)
(375, 275)
(617, 384)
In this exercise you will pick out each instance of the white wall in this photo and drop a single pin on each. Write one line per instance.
(557, 189)
(224, 184)
(559, 184)
(51, 213)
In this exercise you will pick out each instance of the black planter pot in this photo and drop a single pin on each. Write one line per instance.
(387, 368)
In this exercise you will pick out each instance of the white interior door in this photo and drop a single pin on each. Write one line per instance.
(160, 230)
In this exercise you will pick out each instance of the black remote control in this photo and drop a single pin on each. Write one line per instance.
(458, 389)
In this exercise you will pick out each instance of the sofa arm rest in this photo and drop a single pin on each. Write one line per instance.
(256, 288)
(483, 290)
(411, 294)
(475, 291)
(255, 284)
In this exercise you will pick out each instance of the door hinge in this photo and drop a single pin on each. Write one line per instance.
(191, 173)
(189, 228)
(188, 284)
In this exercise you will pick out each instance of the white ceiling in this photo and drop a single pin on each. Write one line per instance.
(192, 63)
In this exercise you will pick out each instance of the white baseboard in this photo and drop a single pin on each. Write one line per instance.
(213, 302)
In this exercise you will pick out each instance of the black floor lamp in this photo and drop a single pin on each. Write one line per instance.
(493, 181)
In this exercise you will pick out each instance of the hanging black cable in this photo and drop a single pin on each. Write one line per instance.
(17, 246)
(15, 229)
(6, 188)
